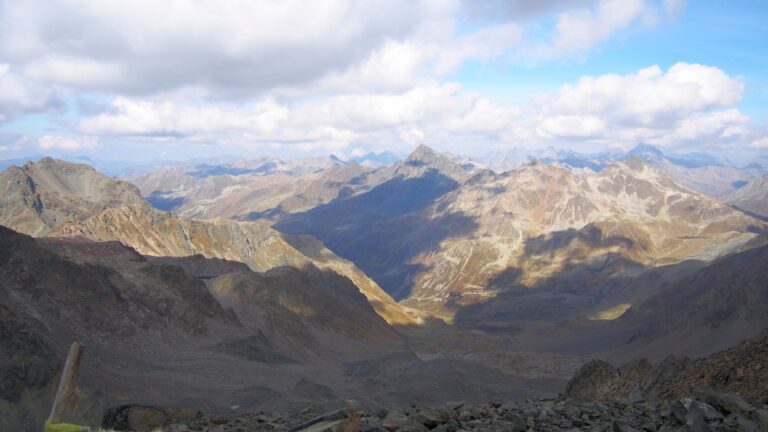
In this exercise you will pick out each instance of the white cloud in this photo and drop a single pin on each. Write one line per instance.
(589, 23)
(495, 10)
(12, 143)
(719, 124)
(234, 49)
(19, 95)
(244, 49)
(76, 71)
(432, 111)
(689, 104)
(760, 143)
(674, 8)
(571, 126)
(344, 74)
(50, 142)
(483, 44)
(578, 30)
(647, 105)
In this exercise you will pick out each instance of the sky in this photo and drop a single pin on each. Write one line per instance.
(145, 80)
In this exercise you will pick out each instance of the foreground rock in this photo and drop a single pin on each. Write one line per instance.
(742, 369)
(727, 391)
(713, 412)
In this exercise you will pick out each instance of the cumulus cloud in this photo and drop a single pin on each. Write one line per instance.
(340, 74)
(12, 142)
(19, 95)
(495, 10)
(425, 112)
(244, 49)
(760, 143)
(653, 105)
(688, 103)
(50, 142)
(235, 49)
(578, 29)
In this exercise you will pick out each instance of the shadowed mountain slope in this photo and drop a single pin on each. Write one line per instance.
(88, 204)
(378, 229)
(703, 307)
(461, 243)
(117, 301)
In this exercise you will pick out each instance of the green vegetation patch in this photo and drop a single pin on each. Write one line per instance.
(65, 427)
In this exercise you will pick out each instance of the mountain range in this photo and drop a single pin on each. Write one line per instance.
(446, 238)
(753, 197)
(434, 267)
(698, 171)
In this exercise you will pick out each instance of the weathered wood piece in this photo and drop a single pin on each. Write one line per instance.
(330, 417)
(66, 383)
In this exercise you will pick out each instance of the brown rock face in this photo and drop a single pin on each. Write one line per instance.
(740, 369)
(593, 381)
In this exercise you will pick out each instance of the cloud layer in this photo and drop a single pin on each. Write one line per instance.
(686, 103)
(343, 75)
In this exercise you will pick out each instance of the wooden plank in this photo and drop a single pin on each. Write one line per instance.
(328, 417)
(337, 421)
(66, 384)
(323, 426)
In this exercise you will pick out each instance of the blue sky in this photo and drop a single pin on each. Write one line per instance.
(729, 35)
(141, 81)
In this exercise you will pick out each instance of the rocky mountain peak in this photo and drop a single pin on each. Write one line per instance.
(425, 154)
(642, 150)
(40, 195)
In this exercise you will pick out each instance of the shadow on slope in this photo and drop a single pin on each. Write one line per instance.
(574, 271)
(690, 308)
(376, 229)
(165, 201)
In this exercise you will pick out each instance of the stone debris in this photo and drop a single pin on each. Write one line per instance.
(705, 412)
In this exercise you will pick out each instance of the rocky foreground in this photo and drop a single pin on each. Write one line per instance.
(727, 391)
(705, 412)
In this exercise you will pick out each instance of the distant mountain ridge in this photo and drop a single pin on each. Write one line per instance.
(699, 171)
(752, 197)
(56, 198)
(37, 196)
(461, 238)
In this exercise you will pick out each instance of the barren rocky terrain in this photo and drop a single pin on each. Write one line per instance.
(431, 283)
